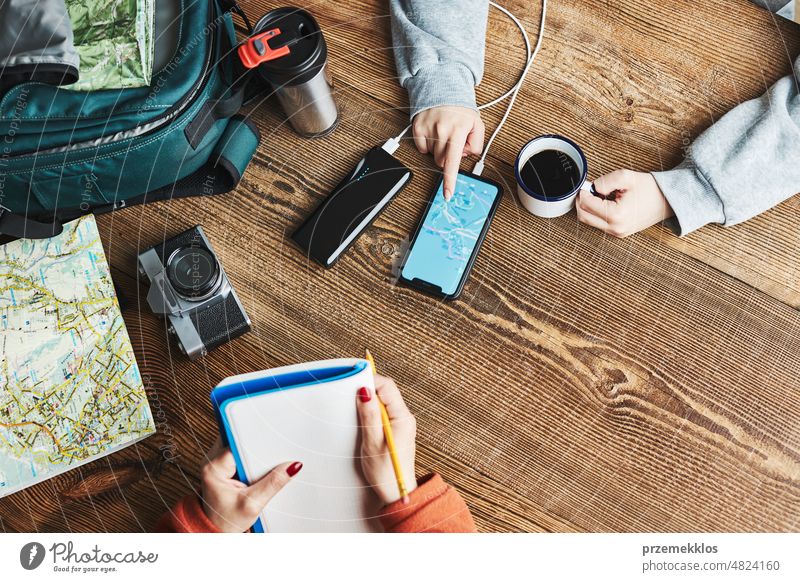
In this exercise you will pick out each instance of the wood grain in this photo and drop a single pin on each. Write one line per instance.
(581, 383)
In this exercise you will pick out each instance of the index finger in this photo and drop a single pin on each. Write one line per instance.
(263, 490)
(390, 395)
(452, 161)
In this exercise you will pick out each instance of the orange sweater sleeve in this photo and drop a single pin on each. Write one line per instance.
(434, 507)
(186, 517)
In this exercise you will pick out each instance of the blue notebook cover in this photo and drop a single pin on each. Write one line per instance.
(245, 386)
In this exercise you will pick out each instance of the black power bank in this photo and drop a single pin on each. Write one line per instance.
(351, 206)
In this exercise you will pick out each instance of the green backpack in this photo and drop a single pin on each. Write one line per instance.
(65, 153)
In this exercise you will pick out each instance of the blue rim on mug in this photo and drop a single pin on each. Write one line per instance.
(542, 197)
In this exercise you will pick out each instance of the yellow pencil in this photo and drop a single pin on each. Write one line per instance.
(387, 431)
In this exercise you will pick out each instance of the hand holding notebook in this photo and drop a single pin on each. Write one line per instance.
(379, 473)
(229, 504)
(309, 413)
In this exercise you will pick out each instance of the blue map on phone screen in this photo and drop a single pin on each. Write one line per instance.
(450, 233)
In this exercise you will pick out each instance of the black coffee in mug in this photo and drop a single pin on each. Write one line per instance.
(551, 173)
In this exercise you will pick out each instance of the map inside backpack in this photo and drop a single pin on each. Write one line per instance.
(114, 41)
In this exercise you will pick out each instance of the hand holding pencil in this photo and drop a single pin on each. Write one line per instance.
(376, 460)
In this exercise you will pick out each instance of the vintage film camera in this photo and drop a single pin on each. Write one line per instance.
(189, 287)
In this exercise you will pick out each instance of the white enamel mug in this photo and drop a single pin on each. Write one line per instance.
(536, 202)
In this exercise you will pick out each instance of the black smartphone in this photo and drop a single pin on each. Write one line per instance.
(449, 236)
(351, 206)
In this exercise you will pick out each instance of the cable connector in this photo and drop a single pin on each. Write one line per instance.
(391, 145)
(478, 169)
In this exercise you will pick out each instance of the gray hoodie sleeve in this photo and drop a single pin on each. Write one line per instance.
(438, 49)
(744, 164)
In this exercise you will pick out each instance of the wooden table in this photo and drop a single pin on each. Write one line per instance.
(582, 383)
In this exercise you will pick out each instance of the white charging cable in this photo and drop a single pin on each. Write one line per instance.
(393, 143)
(478, 169)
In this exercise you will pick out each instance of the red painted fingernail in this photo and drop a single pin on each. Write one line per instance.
(364, 395)
(294, 468)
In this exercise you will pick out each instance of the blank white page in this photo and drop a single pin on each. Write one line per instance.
(318, 426)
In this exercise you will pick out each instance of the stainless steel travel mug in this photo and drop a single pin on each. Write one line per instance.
(300, 78)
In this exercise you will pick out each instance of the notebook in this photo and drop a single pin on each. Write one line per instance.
(306, 413)
(70, 389)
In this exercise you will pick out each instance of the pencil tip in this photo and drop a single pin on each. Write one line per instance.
(406, 500)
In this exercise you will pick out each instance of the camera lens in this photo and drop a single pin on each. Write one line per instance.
(193, 271)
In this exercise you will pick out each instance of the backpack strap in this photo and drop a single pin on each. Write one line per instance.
(224, 107)
(233, 6)
(20, 226)
(220, 174)
(212, 111)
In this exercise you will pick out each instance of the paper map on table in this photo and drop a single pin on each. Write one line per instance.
(70, 389)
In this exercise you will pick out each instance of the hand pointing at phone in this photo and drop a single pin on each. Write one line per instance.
(449, 133)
